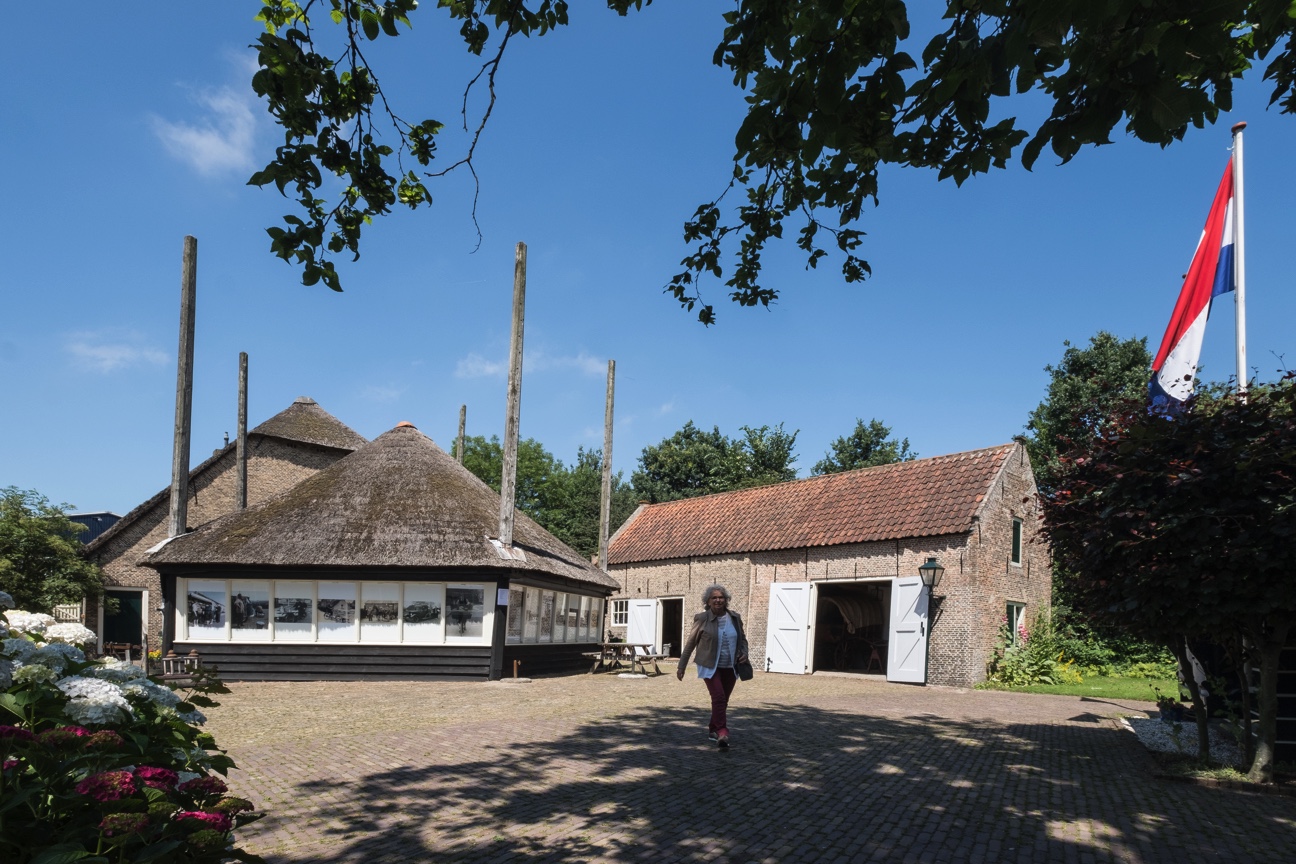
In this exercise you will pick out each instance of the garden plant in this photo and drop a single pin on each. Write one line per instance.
(102, 763)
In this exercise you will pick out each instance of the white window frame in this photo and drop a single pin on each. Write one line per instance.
(620, 613)
(1015, 612)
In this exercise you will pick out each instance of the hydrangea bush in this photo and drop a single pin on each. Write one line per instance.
(101, 763)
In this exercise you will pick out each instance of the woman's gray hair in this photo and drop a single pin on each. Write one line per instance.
(706, 595)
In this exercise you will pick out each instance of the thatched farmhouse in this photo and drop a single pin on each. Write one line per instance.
(284, 450)
(382, 565)
(825, 571)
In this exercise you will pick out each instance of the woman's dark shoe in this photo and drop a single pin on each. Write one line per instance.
(723, 742)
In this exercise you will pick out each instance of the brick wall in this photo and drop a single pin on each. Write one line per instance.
(274, 464)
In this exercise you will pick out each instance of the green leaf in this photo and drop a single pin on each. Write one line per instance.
(63, 853)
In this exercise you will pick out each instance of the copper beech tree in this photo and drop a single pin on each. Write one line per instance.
(1185, 527)
(834, 91)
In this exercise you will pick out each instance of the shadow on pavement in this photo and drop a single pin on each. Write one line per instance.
(799, 784)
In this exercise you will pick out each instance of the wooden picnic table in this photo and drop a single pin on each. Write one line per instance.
(634, 655)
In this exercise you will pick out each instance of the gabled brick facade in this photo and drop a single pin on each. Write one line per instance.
(861, 528)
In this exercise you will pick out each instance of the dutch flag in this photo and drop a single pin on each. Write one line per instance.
(1210, 275)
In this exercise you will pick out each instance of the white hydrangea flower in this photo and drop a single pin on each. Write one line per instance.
(35, 673)
(91, 700)
(6, 600)
(73, 634)
(18, 648)
(28, 622)
(55, 655)
(193, 718)
(117, 671)
(155, 693)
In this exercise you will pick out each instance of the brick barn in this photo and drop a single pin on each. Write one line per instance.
(380, 566)
(824, 570)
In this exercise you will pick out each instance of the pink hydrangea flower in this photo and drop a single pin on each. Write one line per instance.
(204, 786)
(62, 736)
(106, 739)
(158, 778)
(16, 732)
(9, 764)
(214, 821)
(108, 786)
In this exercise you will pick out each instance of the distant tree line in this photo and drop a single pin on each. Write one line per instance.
(691, 462)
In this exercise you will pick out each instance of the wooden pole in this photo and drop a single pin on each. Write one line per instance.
(508, 482)
(463, 419)
(179, 516)
(605, 497)
(240, 446)
(1239, 261)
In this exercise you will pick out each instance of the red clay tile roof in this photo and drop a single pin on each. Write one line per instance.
(922, 498)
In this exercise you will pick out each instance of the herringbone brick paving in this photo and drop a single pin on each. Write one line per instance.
(842, 770)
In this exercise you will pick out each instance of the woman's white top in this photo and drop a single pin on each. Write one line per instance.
(728, 634)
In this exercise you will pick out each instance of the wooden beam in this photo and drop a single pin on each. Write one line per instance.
(605, 497)
(508, 482)
(240, 446)
(177, 524)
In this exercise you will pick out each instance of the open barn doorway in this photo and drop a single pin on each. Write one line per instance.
(851, 627)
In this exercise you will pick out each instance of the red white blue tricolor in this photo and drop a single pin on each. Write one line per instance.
(1210, 275)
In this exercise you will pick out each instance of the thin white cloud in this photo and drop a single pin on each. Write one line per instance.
(221, 141)
(665, 409)
(382, 393)
(110, 350)
(476, 366)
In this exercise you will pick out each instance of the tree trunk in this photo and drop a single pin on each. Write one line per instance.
(1180, 648)
(1269, 641)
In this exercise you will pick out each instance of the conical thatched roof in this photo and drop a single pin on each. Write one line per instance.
(303, 421)
(399, 501)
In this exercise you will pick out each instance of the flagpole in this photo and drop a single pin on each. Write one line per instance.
(1239, 259)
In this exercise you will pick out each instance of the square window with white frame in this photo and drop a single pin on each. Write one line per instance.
(620, 613)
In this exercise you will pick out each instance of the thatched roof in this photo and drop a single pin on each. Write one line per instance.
(303, 421)
(399, 501)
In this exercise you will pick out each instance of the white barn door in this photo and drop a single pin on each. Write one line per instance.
(789, 625)
(907, 651)
(642, 624)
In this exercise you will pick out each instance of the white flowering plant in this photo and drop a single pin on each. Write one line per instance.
(103, 763)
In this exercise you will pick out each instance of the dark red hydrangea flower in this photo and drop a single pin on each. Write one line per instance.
(9, 764)
(62, 736)
(108, 786)
(232, 805)
(17, 733)
(105, 739)
(204, 786)
(123, 823)
(158, 778)
(213, 821)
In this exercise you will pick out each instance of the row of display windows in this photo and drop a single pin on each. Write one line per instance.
(248, 610)
(539, 616)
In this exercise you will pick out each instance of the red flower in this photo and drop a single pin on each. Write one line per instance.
(123, 823)
(215, 821)
(158, 778)
(16, 732)
(202, 786)
(105, 738)
(108, 786)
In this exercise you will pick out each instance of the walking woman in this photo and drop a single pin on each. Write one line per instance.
(721, 644)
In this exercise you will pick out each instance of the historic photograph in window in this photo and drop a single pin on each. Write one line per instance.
(560, 618)
(424, 621)
(465, 612)
(596, 619)
(573, 618)
(380, 612)
(337, 611)
(513, 633)
(294, 606)
(531, 627)
(547, 616)
(249, 610)
(205, 611)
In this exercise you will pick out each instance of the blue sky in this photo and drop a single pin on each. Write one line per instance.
(132, 133)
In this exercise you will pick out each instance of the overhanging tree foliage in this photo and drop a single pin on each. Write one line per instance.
(1187, 527)
(834, 92)
(40, 558)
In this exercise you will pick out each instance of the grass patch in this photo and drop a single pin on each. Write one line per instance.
(1100, 687)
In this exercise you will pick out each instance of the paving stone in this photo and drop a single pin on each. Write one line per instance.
(824, 768)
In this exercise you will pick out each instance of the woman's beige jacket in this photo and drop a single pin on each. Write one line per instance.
(705, 637)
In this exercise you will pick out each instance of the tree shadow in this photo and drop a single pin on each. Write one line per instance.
(800, 784)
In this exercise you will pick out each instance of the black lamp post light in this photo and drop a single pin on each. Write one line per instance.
(931, 574)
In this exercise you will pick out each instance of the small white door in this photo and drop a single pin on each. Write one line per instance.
(907, 651)
(789, 626)
(642, 624)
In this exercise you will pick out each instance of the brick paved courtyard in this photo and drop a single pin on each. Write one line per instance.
(842, 770)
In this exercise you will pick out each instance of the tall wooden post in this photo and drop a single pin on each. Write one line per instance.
(179, 516)
(508, 482)
(240, 446)
(605, 497)
(463, 420)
